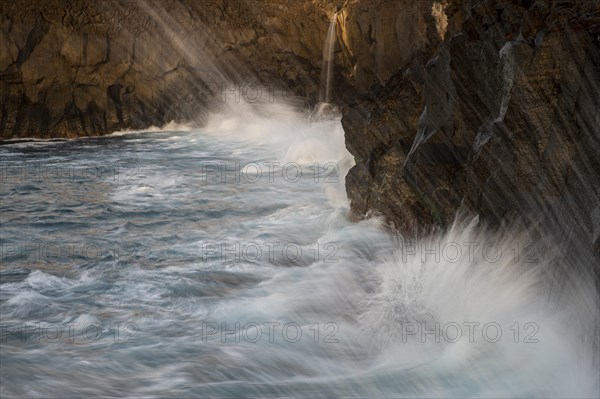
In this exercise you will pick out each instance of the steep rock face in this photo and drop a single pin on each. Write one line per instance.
(483, 106)
(85, 67)
(379, 37)
(502, 119)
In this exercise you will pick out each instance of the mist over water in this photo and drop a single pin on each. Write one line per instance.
(128, 243)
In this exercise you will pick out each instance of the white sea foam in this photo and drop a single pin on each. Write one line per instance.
(365, 290)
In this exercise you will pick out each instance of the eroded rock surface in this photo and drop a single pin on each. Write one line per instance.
(500, 117)
(87, 67)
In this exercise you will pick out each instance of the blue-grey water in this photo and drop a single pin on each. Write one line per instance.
(128, 260)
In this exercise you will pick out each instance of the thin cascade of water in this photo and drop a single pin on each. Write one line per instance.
(328, 60)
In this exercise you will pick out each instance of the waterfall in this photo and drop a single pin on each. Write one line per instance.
(328, 61)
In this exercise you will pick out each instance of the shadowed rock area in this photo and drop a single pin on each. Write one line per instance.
(500, 117)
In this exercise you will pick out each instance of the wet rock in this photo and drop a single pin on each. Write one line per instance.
(85, 68)
(508, 124)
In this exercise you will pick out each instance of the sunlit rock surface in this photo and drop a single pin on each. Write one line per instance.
(92, 67)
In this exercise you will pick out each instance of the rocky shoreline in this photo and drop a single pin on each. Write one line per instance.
(486, 107)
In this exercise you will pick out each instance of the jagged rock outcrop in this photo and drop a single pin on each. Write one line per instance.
(501, 118)
(88, 67)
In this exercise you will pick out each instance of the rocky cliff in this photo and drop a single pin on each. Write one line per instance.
(499, 115)
(85, 67)
(487, 107)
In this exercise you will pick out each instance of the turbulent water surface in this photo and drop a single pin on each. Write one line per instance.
(128, 260)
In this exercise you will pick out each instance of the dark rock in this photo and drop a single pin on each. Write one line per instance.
(509, 125)
(84, 67)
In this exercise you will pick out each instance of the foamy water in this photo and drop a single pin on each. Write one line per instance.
(220, 262)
